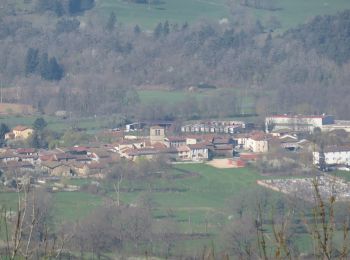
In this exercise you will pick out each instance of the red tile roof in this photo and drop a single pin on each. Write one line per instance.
(21, 128)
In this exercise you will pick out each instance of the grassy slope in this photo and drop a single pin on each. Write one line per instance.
(300, 11)
(293, 12)
(173, 97)
(175, 11)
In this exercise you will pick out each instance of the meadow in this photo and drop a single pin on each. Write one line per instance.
(190, 201)
(179, 11)
(197, 203)
(177, 96)
(291, 13)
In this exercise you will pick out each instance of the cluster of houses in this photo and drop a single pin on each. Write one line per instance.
(97, 159)
(195, 143)
(333, 156)
(77, 161)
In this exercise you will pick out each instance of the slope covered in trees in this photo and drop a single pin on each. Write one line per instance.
(96, 66)
(328, 35)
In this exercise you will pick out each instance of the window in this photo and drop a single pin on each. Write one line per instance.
(157, 131)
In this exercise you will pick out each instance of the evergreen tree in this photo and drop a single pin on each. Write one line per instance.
(158, 30)
(137, 30)
(74, 6)
(166, 28)
(55, 70)
(32, 61)
(34, 140)
(111, 22)
(3, 130)
(39, 124)
(44, 66)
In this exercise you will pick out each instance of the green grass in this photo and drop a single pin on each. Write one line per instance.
(174, 97)
(70, 206)
(342, 174)
(67, 206)
(175, 11)
(291, 14)
(295, 12)
(91, 124)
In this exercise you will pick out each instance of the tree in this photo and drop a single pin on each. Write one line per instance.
(111, 22)
(55, 70)
(44, 66)
(39, 124)
(158, 30)
(137, 29)
(3, 130)
(166, 28)
(32, 61)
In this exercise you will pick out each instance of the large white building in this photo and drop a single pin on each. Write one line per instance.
(333, 156)
(298, 123)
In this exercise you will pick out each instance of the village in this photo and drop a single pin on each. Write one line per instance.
(221, 144)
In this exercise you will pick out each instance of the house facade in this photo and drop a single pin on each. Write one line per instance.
(22, 132)
(298, 123)
(333, 156)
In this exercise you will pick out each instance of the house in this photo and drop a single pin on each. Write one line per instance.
(222, 146)
(198, 152)
(184, 152)
(157, 134)
(175, 141)
(17, 166)
(298, 123)
(8, 155)
(56, 169)
(257, 143)
(289, 142)
(20, 133)
(26, 151)
(241, 140)
(98, 154)
(134, 154)
(332, 156)
(63, 157)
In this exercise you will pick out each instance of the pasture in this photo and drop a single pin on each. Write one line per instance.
(296, 12)
(177, 96)
(179, 11)
(190, 201)
(291, 13)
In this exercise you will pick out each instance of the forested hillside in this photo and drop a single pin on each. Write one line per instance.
(89, 66)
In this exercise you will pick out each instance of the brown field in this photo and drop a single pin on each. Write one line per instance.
(15, 109)
(226, 163)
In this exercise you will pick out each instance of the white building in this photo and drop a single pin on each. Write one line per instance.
(298, 123)
(257, 144)
(333, 155)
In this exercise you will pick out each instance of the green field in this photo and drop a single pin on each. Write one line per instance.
(199, 204)
(176, 96)
(91, 124)
(295, 12)
(175, 11)
(292, 13)
(203, 196)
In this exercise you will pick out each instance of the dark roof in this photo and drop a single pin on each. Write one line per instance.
(25, 150)
(64, 156)
(197, 146)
